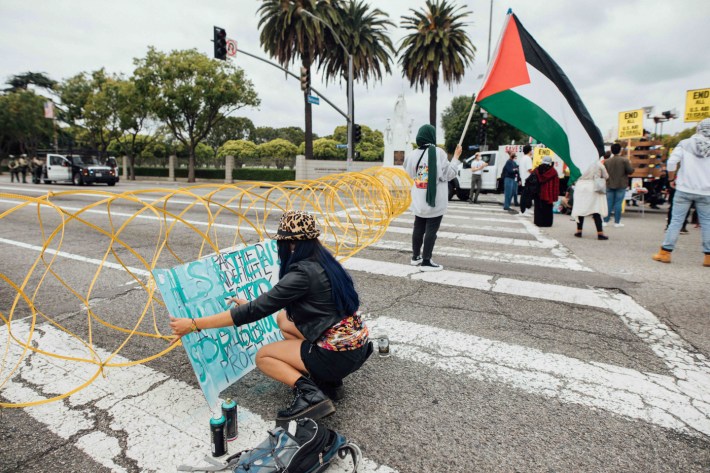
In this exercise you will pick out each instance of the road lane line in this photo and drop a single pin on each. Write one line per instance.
(83, 259)
(494, 256)
(164, 421)
(652, 398)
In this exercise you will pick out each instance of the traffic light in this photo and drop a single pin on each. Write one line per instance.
(305, 79)
(357, 133)
(220, 43)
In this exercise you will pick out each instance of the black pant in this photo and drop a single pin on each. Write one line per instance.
(425, 231)
(597, 222)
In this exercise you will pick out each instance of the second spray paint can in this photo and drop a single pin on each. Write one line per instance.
(229, 411)
(218, 436)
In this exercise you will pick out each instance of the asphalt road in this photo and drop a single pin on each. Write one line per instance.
(533, 350)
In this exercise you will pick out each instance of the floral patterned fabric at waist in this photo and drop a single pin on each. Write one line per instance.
(348, 334)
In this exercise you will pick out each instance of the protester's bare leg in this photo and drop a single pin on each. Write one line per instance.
(282, 361)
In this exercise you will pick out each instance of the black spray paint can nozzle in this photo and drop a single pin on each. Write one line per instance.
(383, 346)
(229, 411)
(218, 436)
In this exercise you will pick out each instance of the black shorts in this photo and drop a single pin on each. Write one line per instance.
(332, 366)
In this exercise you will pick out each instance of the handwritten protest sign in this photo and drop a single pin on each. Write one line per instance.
(200, 288)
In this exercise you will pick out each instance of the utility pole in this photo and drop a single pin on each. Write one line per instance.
(490, 27)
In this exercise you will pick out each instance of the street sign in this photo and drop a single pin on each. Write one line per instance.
(231, 47)
(341, 145)
(314, 100)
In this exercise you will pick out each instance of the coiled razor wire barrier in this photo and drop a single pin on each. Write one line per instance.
(82, 247)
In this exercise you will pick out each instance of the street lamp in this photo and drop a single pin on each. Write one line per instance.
(301, 11)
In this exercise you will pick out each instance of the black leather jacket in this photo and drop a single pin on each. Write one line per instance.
(305, 292)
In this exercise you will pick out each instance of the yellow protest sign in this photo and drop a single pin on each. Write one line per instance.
(697, 105)
(631, 124)
(539, 153)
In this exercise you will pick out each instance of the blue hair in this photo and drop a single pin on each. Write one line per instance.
(342, 287)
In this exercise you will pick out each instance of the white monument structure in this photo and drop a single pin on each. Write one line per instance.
(398, 134)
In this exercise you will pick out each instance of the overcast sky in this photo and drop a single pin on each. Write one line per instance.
(619, 54)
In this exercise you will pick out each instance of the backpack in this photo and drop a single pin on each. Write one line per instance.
(532, 184)
(305, 447)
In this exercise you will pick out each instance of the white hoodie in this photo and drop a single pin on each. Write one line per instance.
(446, 171)
(694, 174)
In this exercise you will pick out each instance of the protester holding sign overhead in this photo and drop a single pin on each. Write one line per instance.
(325, 339)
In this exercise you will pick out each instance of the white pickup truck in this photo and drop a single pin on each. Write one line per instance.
(77, 170)
(490, 177)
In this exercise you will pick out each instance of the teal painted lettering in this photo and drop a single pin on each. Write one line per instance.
(196, 271)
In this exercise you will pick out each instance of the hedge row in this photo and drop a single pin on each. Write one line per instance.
(242, 174)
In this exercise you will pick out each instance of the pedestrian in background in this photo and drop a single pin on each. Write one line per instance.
(477, 166)
(525, 167)
(37, 167)
(14, 171)
(692, 185)
(22, 166)
(431, 170)
(510, 177)
(619, 169)
(548, 194)
(590, 198)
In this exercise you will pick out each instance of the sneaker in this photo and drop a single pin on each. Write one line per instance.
(684, 231)
(605, 224)
(618, 225)
(430, 266)
(416, 261)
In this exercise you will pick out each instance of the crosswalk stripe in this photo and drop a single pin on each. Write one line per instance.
(645, 396)
(166, 421)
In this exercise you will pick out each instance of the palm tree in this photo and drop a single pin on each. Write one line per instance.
(364, 35)
(438, 41)
(286, 34)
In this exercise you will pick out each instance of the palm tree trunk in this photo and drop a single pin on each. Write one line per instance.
(309, 114)
(433, 86)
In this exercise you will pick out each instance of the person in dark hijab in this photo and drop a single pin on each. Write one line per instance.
(431, 170)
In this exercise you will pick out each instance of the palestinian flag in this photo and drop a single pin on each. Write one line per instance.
(527, 89)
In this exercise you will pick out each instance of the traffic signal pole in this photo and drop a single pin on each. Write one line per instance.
(351, 119)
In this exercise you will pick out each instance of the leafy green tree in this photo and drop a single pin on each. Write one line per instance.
(265, 134)
(370, 148)
(287, 34)
(278, 152)
(190, 93)
(364, 33)
(22, 121)
(438, 44)
(134, 117)
(243, 151)
(294, 134)
(326, 148)
(453, 120)
(671, 141)
(230, 129)
(22, 81)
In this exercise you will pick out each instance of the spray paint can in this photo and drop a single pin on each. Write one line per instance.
(229, 411)
(383, 346)
(218, 436)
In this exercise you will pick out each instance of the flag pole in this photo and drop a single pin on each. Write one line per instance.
(468, 120)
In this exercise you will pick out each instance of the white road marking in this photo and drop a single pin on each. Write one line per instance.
(165, 422)
(495, 256)
(487, 228)
(649, 397)
(84, 259)
(685, 361)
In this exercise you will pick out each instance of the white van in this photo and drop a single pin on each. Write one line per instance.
(490, 177)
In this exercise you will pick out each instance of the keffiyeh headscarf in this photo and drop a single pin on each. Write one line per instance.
(702, 138)
(426, 138)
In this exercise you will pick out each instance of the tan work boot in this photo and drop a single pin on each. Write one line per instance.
(664, 256)
(707, 261)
